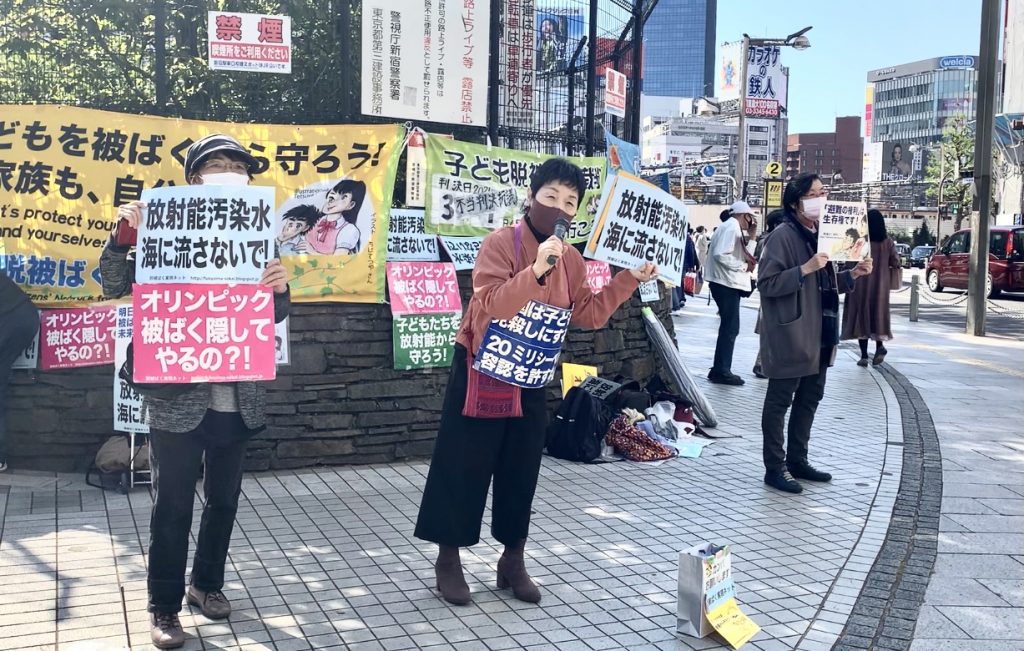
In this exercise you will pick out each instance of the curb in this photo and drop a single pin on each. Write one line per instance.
(885, 613)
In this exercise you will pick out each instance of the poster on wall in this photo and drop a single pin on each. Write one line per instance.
(615, 93)
(407, 241)
(474, 189)
(76, 337)
(517, 55)
(426, 61)
(249, 42)
(72, 166)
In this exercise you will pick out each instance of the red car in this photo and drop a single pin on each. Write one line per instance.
(950, 265)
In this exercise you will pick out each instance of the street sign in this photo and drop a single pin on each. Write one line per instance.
(772, 194)
(615, 93)
(708, 171)
(773, 169)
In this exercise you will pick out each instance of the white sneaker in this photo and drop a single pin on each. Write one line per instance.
(3, 466)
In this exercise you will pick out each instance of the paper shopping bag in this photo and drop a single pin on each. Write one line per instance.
(704, 570)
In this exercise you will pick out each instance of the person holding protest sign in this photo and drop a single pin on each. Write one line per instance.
(727, 272)
(208, 423)
(19, 323)
(526, 279)
(799, 331)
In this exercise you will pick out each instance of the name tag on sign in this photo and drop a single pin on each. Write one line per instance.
(524, 350)
(649, 292)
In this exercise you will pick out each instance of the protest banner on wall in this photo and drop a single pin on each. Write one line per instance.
(640, 223)
(28, 357)
(423, 287)
(599, 274)
(524, 350)
(203, 333)
(76, 337)
(128, 416)
(462, 250)
(473, 189)
(425, 340)
(622, 155)
(282, 345)
(843, 231)
(574, 374)
(68, 168)
(249, 42)
(205, 234)
(407, 240)
(426, 60)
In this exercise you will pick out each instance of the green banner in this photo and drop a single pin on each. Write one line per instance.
(424, 340)
(474, 189)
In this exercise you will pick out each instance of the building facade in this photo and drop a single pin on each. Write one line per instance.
(679, 48)
(835, 156)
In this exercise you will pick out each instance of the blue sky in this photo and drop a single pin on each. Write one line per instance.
(850, 37)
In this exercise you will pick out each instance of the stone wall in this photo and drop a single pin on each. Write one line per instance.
(339, 402)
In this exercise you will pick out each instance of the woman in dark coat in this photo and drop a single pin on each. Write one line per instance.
(866, 310)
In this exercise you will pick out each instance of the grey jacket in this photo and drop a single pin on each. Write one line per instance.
(790, 323)
(184, 413)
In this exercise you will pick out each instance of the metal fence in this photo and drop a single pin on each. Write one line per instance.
(150, 57)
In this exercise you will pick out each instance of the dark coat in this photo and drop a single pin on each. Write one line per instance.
(866, 310)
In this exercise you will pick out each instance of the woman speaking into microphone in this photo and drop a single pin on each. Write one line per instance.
(494, 417)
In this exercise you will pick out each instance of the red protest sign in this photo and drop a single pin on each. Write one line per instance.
(74, 337)
(423, 288)
(203, 333)
(599, 274)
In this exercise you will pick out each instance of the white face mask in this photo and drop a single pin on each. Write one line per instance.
(812, 207)
(225, 178)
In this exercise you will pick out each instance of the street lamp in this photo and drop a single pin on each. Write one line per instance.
(797, 41)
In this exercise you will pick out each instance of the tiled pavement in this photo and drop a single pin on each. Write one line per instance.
(325, 558)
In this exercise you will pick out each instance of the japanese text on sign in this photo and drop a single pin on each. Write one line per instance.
(524, 350)
(718, 582)
(128, 416)
(422, 287)
(407, 240)
(205, 234)
(203, 333)
(462, 250)
(843, 231)
(424, 340)
(75, 337)
(640, 223)
(599, 274)
(766, 82)
(249, 42)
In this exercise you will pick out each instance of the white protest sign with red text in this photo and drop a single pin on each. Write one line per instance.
(203, 333)
(74, 337)
(250, 42)
(423, 287)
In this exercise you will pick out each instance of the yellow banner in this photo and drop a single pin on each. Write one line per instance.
(574, 374)
(63, 170)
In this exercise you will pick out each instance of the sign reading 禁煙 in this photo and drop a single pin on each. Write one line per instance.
(249, 42)
(462, 250)
(474, 189)
(424, 340)
(615, 93)
(639, 223)
(205, 234)
(426, 60)
(843, 231)
(185, 333)
(407, 240)
(423, 287)
(524, 350)
(76, 337)
(128, 416)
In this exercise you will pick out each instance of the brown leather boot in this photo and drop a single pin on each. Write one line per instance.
(512, 573)
(450, 581)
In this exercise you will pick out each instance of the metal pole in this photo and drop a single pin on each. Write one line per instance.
(915, 297)
(493, 73)
(591, 79)
(160, 55)
(741, 144)
(976, 290)
(570, 126)
(638, 49)
(942, 181)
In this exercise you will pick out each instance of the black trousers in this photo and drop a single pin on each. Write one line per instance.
(467, 454)
(175, 460)
(17, 327)
(804, 394)
(728, 301)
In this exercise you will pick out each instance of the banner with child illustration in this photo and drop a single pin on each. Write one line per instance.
(63, 170)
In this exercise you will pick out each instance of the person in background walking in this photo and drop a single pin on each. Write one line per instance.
(728, 274)
(701, 241)
(772, 221)
(866, 309)
(19, 323)
(799, 331)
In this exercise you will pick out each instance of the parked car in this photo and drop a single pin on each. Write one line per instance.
(919, 256)
(903, 253)
(950, 266)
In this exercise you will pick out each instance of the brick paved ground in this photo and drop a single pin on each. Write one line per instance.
(325, 558)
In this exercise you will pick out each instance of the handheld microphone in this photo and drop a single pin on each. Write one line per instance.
(561, 228)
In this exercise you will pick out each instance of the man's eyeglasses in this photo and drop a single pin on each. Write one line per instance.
(218, 166)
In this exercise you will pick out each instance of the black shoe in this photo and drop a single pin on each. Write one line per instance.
(758, 373)
(880, 354)
(726, 378)
(783, 481)
(807, 471)
(863, 362)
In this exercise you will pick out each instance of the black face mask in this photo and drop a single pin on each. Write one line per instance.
(542, 218)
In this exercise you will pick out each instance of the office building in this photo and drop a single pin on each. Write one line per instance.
(679, 48)
(834, 156)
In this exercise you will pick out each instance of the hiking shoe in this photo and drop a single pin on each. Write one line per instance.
(783, 481)
(166, 632)
(807, 471)
(726, 378)
(213, 604)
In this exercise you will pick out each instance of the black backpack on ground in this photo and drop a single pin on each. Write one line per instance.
(577, 431)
